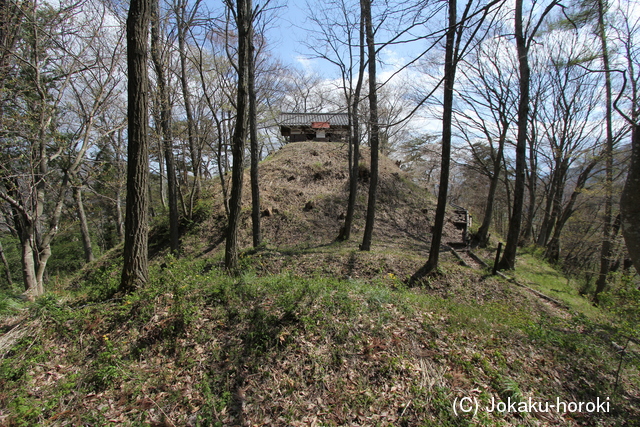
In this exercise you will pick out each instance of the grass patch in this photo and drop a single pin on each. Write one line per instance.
(197, 346)
(540, 275)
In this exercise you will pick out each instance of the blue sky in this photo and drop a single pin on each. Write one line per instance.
(287, 35)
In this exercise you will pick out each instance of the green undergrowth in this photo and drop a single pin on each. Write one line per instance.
(537, 273)
(198, 347)
(618, 315)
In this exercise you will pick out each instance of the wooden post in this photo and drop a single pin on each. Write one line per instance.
(495, 263)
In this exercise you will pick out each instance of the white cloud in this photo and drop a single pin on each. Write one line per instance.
(305, 63)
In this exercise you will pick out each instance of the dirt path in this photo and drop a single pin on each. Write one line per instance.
(468, 258)
(471, 260)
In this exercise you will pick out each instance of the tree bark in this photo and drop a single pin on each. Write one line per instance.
(222, 170)
(605, 252)
(165, 126)
(163, 175)
(353, 110)
(374, 128)
(27, 243)
(552, 252)
(84, 225)
(194, 148)
(508, 261)
(482, 236)
(447, 114)
(253, 137)
(545, 227)
(239, 137)
(531, 176)
(7, 271)
(135, 269)
(118, 216)
(630, 201)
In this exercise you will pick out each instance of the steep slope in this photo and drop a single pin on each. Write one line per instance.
(304, 192)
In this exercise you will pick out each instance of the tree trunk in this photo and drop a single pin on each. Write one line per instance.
(27, 242)
(172, 187)
(253, 137)
(84, 225)
(239, 136)
(25, 231)
(222, 170)
(630, 201)
(532, 185)
(554, 202)
(7, 271)
(163, 187)
(482, 236)
(40, 240)
(135, 268)
(165, 127)
(354, 141)
(194, 149)
(552, 252)
(605, 252)
(527, 234)
(449, 78)
(119, 217)
(374, 129)
(508, 261)
(545, 227)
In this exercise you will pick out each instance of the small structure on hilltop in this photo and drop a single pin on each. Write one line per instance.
(296, 127)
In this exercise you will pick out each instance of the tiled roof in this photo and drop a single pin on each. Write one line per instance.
(305, 119)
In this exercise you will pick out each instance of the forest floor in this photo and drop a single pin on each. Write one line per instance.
(315, 332)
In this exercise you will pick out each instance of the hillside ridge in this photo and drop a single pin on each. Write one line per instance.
(313, 331)
(304, 192)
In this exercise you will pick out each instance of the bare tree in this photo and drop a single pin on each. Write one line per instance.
(374, 127)
(253, 134)
(339, 38)
(94, 89)
(605, 253)
(50, 54)
(135, 268)
(10, 20)
(630, 199)
(569, 128)
(164, 106)
(254, 148)
(217, 81)
(487, 98)
(242, 17)
(185, 18)
(524, 41)
(471, 19)
(450, 63)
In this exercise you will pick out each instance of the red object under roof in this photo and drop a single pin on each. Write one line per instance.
(320, 125)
